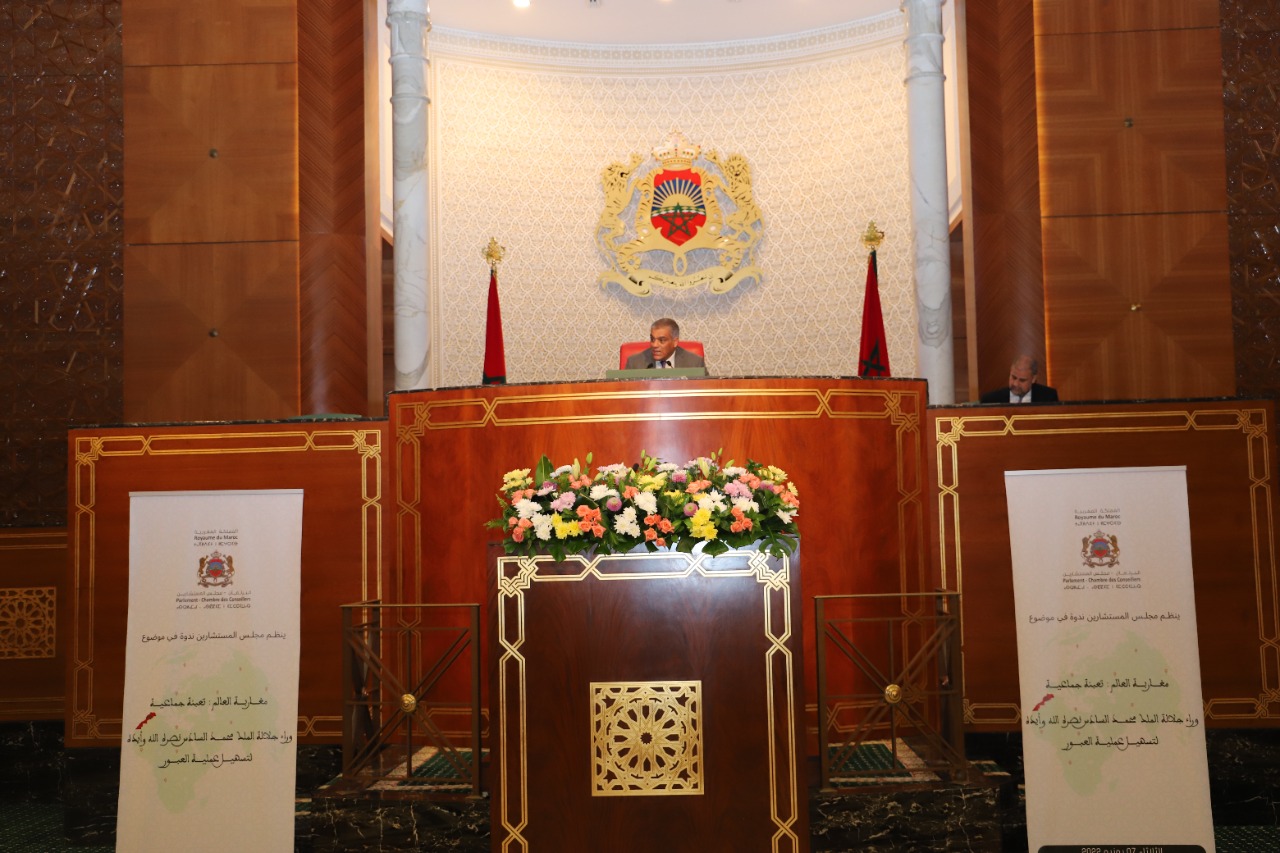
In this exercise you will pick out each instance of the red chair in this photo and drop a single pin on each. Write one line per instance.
(632, 347)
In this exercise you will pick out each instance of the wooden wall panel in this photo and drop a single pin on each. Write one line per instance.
(341, 352)
(212, 332)
(1100, 16)
(210, 153)
(1227, 448)
(861, 530)
(1139, 306)
(1002, 213)
(342, 470)
(1131, 122)
(35, 604)
(209, 32)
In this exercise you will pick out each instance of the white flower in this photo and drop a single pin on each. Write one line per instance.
(734, 472)
(563, 469)
(525, 508)
(648, 502)
(668, 467)
(786, 516)
(625, 522)
(713, 500)
(600, 491)
(617, 469)
(541, 525)
(746, 504)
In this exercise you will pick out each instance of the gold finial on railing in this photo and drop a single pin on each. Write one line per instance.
(493, 253)
(872, 237)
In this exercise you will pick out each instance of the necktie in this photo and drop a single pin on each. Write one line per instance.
(664, 363)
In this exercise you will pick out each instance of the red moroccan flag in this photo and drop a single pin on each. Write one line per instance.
(495, 357)
(873, 354)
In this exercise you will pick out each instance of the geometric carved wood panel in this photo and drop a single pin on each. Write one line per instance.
(209, 32)
(211, 153)
(211, 332)
(34, 585)
(1139, 307)
(1131, 122)
(1251, 72)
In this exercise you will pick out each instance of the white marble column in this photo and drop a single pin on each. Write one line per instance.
(409, 22)
(926, 134)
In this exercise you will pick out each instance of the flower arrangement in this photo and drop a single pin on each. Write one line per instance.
(567, 510)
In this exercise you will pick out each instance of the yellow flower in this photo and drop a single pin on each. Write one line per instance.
(565, 529)
(517, 479)
(700, 524)
(775, 474)
(651, 482)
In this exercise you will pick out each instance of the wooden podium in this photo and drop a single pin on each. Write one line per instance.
(647, 702)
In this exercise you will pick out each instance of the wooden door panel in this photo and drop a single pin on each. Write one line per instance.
(209, 32)
(1139, 306)
(211, 154)
(1100, 16)
(211, 332)
(1130, 123)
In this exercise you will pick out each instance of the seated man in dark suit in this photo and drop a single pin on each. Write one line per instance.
(664, 349)
(1023, 387)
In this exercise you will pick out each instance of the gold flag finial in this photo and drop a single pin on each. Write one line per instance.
(493, 253)
(872, 237)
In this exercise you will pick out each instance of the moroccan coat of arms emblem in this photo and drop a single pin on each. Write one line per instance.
(682, 219)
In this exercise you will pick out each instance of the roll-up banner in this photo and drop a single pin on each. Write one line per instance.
(1108, 664)
(209, 751)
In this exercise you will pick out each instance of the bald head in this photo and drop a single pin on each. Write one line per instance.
(1022, 374)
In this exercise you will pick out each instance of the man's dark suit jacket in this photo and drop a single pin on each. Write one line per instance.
(680, 358)
(1039, 394)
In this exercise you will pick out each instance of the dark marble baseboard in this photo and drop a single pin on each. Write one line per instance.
(984, 814)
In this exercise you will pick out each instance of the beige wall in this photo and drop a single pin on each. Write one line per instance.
(519, 137)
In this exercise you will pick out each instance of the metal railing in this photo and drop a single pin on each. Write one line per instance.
(889, 693)
(411, 687)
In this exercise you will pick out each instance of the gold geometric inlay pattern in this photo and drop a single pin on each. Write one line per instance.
(28, 623)
(646, 738)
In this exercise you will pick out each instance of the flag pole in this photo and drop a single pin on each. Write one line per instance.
(873, 349)
(495, 357)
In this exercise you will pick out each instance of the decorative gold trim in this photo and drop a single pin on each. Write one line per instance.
(85, 723)
(419, 416)
(517, 575)
(319, 726)
(949, 430)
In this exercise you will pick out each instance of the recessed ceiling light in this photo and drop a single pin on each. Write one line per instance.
(520, 4)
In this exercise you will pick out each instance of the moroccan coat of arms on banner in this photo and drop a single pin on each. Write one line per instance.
(682, 219)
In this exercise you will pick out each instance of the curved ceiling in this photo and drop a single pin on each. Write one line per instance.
(650, 21)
